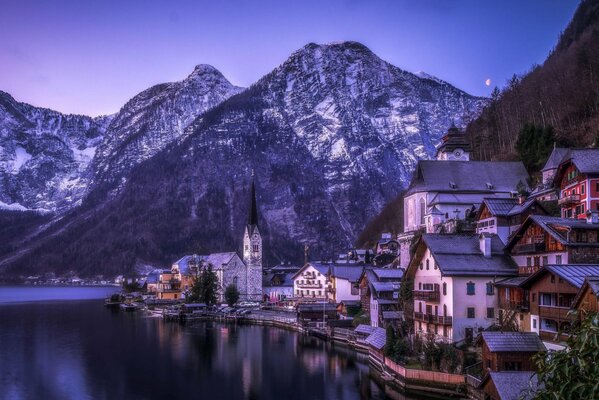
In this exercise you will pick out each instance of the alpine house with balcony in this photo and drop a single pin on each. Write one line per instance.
(311, 282)
(577, 178)
(553, 290)
(453, 277)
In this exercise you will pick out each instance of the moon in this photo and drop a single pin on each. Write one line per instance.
(488, 82)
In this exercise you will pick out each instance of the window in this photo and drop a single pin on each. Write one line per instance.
(490, 290)
(558, 259)
(255, 248)
(422, 211)
(444, 289)
(528, 262)
(419, 285)
(444, 310)
(552, 278)
(435, 265)
(582, 189)
(421, 266)
(534, 324)
(597, 186)
(470, 288)
(545, 260)
(470, 312)
(537, 261)
(420, 307)
(490, 312)
(513, 366)
(427, 265)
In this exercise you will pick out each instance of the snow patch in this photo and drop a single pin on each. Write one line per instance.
(12, 207)
(21, 158)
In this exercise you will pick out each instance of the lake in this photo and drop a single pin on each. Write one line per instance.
(53, 347)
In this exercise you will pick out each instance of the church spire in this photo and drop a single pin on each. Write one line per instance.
(253, 214)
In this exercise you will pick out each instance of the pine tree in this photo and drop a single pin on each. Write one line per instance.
(231, 295)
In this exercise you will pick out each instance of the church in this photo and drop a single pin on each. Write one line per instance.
(245, 273)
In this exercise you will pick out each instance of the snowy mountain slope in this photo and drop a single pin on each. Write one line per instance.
(156, 117)
(44, 154)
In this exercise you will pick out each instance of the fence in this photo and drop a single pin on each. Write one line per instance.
(419, 375)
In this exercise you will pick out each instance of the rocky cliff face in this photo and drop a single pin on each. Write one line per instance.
(332, 134)
(156, 117)
(44, 155)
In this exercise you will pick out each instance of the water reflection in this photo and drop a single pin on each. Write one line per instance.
(79, 350)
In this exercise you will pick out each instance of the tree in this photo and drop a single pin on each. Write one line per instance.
(572, 373)
(534, 145)
(205, 287)
(231, 295)
(390, 342)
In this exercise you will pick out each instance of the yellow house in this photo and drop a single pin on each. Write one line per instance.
(169, 286)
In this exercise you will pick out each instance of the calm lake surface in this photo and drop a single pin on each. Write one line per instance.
(67, 349)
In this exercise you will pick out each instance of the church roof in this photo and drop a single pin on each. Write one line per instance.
(556, 158)
(218, 259)
(467, 176)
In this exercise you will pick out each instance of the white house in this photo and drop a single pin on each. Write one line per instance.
(310, 283)
(343, 282)
(453, 279)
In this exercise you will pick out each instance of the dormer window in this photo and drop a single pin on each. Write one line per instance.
(489, 185)
(453, 185)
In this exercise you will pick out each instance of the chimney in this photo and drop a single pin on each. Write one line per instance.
(485, 244)
(521, 199)
(593, 217)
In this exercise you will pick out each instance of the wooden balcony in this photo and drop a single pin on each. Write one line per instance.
(569, 200)
(520, 305)
(528, 248)
(433, 319)
(313, 285)
(555, 313)
(426, 295)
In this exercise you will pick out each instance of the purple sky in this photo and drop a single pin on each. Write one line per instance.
(90, 57)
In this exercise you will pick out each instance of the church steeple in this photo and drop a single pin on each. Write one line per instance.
(253, 214)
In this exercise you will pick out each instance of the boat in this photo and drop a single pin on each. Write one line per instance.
(129, 306)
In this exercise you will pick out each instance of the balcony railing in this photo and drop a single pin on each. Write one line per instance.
(315, 285)
(529, 248)
(513, 305)
(554, 312)
(433, 319)
(569, 200)
(426, 295)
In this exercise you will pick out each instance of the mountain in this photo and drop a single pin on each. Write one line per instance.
(156, 117)
(562, 93)
(43, 155)
(332, 134)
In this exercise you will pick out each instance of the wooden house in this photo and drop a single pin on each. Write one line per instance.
(509, 351)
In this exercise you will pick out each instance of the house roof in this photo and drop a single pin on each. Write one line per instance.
(310, 307)
(512, 282)
(384, 286)
(585, 160)
(153, 276)
(512, 385)
(391, 315)
(388, 273)
(350, 272)
(553, 226)
(184, 262)
(590, 282)
(476, 176)
(513, 341)
(574, 274)
(460, 255)
(365, 329)
(323, 268)
(377, 338)
(556, 158)
(508, 206)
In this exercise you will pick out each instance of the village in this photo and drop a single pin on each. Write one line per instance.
(487, 273)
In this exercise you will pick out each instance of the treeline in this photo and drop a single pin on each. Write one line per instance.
(563, 94)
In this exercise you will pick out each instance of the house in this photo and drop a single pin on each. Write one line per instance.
(310, 283)
(386, 250)
(587, 300)
(343, 282)
(577, 178)
(349, 308)
(513, 303)
(186, 270)
(277, 287)
(453, 277)
(316, 314)
(552, 290)
(509, 385)
(152, 281)
(509, 351)
(503, 216)
(379, 294)
(544, 240)
(169, 286)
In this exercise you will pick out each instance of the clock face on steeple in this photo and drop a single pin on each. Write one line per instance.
(457, 153)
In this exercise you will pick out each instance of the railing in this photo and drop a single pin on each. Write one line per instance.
(555, 312)
(433, 319)
(420, 375)
(309, 285)
(529, 248)
(521, 305)
(426, 295)
(571, 199)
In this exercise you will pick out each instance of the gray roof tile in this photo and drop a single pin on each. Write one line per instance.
(377, 338)
(513, 341)
(514, 385)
